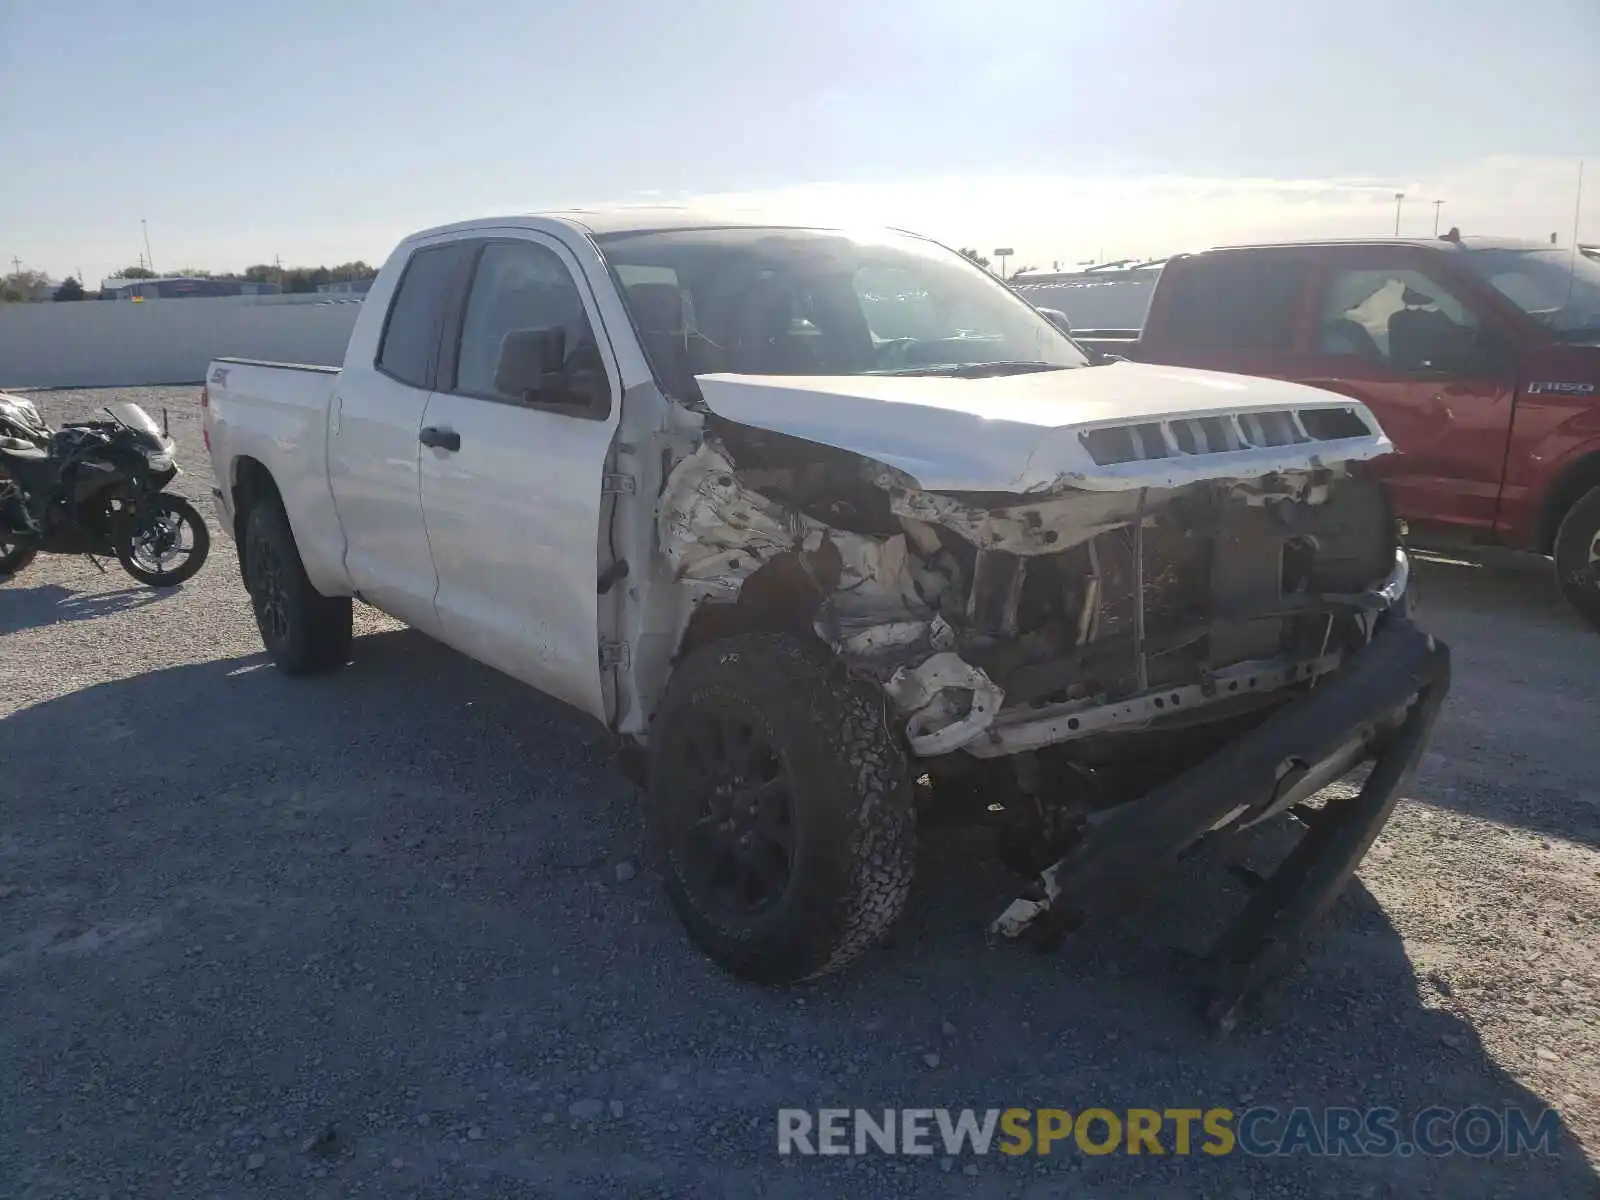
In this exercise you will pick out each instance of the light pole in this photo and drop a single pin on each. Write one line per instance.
(1399, 198)
(1437, 205)
(148, 257)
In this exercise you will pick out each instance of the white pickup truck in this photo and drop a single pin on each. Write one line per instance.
(827, 527)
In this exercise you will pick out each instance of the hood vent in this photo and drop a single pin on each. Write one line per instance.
(1184, 436)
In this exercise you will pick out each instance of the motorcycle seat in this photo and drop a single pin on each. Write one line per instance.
(16, 448)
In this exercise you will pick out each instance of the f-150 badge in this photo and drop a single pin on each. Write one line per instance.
(1561, 389)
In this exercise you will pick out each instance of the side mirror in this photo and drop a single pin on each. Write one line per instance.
(535, 368)
(1057, 318)
(531, 362)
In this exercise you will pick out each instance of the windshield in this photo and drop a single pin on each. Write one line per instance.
(808, 302)
(134, 418)
(1555, 287)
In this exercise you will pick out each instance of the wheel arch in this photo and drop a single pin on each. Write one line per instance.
(1573, 483)
(252, 484)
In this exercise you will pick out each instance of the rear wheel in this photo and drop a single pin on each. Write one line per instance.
(1578, 556)
(304, 632)
(165, 543)
(781, 804)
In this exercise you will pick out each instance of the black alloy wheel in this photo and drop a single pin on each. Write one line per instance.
(268, 585)
(737, 839)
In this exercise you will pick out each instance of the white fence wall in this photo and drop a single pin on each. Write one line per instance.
(105, 343)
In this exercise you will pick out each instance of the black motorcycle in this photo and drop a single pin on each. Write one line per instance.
(95, 488)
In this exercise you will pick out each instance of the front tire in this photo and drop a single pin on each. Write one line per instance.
(147, 541)
(781, 805)
(14, 556)
(1577, 555)
(304, 632)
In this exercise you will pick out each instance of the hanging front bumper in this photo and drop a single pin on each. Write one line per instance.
(1380, 706)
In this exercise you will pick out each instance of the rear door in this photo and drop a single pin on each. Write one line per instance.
(1393, 330)
(511, 489)
(373, 450)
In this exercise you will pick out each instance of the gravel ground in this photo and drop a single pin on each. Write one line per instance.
(381, 934)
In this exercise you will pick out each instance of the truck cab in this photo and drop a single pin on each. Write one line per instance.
(1480, 356)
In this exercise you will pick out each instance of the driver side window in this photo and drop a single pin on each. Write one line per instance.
(1396, 318)
(518, 287)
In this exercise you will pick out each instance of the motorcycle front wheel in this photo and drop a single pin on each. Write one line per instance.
(164, 543)
(14, 552)
(13, 555)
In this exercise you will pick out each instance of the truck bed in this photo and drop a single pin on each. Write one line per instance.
(275, 414)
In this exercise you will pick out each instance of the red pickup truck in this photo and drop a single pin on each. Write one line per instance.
(1481, 359)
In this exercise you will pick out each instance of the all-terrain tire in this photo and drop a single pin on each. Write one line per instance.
(304, 632)
(1577, 555)
(849, 795)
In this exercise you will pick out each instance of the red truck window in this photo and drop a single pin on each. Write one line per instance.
(1221, 302)
(1394, 316)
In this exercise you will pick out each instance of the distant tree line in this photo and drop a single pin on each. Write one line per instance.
(22, 285)
(306, 279)
(289, 279)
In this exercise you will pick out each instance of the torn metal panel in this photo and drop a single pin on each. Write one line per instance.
(881, 579)
(949, 701)
(867, 643)
(1046, 527)
(717, 532)
(1024, 911)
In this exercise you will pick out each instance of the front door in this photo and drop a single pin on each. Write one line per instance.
(373, 452)
(1392, 333)
(511, 486)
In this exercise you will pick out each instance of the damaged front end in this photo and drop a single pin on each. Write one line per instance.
(1001, 624)
(1215, 647)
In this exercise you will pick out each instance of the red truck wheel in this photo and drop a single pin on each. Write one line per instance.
(1578, 556)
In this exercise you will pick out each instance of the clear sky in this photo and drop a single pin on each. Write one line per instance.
(323, 130)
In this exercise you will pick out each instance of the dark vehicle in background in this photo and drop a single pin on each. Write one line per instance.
(95, 488)
(1480, 357)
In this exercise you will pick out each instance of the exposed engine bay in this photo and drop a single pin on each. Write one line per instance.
(1001, 624)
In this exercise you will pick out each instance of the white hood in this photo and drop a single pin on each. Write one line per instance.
(1023, 433)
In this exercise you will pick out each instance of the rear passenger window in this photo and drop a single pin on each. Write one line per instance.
(1243, 303)
(411, 332)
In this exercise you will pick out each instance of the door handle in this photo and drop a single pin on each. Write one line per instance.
(439, 439)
